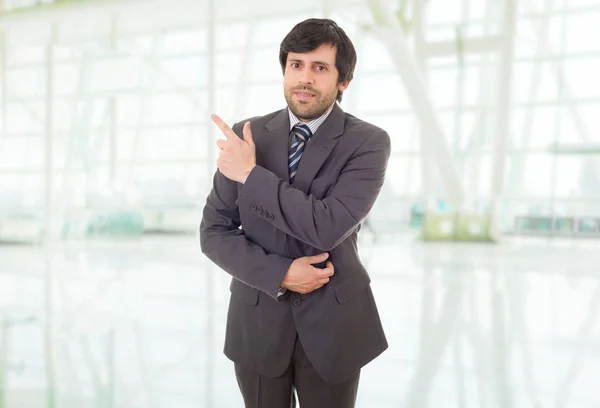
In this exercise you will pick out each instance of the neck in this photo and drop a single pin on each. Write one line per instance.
(304, 120)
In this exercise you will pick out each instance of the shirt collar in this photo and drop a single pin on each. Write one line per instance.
(314, 124)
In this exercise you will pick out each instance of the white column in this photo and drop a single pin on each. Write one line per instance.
(48, 136)
(427, 178)
(112, 112)
(112, 152)
(48, 221)
(3, 82)
(505, 76)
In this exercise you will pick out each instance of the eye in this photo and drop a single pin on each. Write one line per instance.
(321, 68)
(295, 65)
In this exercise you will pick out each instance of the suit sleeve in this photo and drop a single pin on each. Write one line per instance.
(224, 243)
(325, 223)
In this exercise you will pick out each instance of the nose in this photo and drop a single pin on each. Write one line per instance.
(306, 77)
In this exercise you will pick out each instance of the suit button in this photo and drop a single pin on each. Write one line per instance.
(296, 302)
(271, 217)
(264, 212)
(253, 207)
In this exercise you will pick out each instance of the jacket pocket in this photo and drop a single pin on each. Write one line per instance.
(347, 290)
(243, 292)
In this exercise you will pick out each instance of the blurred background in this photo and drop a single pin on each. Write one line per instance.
(483, 246)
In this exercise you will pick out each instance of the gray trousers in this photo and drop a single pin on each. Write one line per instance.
(259, 391)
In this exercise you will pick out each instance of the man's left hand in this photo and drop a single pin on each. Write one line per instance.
(237, 157)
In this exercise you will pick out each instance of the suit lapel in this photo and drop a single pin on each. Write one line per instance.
(319, 148)
(275, 156)
(274, 152)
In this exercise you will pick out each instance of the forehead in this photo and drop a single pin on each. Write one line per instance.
(323, 53)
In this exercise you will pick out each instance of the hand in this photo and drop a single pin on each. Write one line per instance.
(237, 157)
(304, 278)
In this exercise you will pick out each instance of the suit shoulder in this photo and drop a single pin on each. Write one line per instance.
(363, 128)
(256, 122)
(259, 120)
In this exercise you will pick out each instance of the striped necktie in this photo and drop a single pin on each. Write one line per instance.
(301, 135)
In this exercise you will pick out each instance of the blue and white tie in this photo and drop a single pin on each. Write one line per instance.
(301, 135)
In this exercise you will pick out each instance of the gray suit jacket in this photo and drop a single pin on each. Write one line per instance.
(254, 231)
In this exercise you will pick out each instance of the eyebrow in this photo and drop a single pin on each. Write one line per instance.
(313, 62)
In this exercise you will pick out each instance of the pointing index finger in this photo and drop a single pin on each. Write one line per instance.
(227, 131)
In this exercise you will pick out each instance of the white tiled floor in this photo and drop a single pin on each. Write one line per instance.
(140, 323)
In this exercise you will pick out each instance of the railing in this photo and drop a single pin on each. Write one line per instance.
(558, 226)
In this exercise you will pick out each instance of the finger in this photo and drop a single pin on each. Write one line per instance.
(323, 281)
(227, 131)
(317, 285)
(317, 258)
(221, 143)
(223, 160)
(248, 134)
(329, 270)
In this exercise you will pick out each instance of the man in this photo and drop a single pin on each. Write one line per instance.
(286, 206)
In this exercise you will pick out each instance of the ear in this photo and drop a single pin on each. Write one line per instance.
(343, 85)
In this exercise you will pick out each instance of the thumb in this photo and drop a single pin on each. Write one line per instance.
(317, 258)
(248, 134)
(330, 267)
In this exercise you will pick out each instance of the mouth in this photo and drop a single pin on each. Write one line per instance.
(304, 95)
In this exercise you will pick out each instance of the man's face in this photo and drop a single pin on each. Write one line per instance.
(310, 82)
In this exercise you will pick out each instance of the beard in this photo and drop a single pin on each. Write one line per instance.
(313, 109)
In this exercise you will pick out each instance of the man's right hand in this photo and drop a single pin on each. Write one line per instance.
(304, 278)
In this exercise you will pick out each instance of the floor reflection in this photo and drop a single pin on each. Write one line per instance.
(141, 324)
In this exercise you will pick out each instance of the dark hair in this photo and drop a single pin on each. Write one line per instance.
(311, 34)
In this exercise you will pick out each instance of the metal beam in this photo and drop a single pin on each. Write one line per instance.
(516, 170)
(391, 35)
(468, 46)
(142, 97)
(582, 128)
